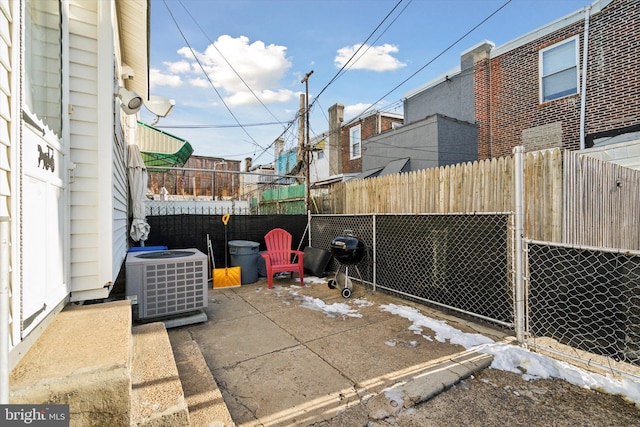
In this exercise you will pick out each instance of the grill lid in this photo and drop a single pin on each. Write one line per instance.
(347, 249)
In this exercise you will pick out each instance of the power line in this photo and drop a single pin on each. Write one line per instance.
(439, 54)
(356, 52)
(207, 76)
(211, 126)
(229, 64)
(377, 38)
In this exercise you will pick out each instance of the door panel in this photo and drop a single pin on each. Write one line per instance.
(44, 227)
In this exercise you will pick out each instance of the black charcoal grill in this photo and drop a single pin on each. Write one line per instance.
(348, 250)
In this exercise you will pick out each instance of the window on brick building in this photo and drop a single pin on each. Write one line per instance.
(355, 142)
(558, 66)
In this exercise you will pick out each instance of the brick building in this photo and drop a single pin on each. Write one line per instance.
(358, 129)
(532, 92)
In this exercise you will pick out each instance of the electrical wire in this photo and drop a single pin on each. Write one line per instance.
(208, 78)
(355, 53)
(439, 55)
(229, 64)
(377, 38)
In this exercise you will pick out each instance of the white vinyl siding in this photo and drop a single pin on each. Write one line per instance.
(6, 147)
(558, 65)
(92, 153)
(83, 131)
(120, 204)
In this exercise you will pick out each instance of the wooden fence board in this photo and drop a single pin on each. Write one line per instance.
(568, 197)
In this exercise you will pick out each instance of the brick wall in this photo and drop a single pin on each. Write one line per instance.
(507, 104)
(368, 128)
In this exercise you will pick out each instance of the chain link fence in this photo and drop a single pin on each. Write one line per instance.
(584, 302)
(459, 262)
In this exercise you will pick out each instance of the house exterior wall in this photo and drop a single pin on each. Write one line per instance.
(319, 168)
(457, 142)
(370, 125)
(95, 203)
(431, 142)
(63, 180)
(451, 98)
(507, 104)
(8, 37)
(613, 79)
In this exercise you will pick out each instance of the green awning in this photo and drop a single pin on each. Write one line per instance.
(161, 149)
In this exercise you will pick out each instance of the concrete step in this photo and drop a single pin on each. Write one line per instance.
(204, 399)
(82, 359)
(157, 398)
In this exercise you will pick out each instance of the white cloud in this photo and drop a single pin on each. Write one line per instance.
(260, 66)
(199, 82)
(355, 110)
(179, 67)
(266, 96)
(157, 78)
(374, 58)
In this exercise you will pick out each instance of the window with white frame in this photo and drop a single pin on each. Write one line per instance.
(558, 66)
(43, 63)
(355, 143)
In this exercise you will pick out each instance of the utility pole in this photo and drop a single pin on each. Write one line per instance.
(307, 148)
(300, 158)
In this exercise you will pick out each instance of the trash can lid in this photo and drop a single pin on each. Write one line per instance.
(243, 244)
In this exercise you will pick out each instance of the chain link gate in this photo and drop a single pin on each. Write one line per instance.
(584, 302)
(460, 262)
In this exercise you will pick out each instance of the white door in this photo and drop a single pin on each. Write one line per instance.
(43, 242)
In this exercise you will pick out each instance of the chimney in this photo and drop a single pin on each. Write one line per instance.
(279, 148)
(336, 117)
(247, 164)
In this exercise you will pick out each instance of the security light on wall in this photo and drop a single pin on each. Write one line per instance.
(131, 102)
(159, 106)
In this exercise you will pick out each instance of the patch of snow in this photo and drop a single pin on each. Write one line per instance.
(331, 310)
(516, 359)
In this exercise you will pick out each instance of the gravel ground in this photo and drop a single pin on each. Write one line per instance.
(499, 398)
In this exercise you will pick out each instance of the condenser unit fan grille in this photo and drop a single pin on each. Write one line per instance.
(173, 287)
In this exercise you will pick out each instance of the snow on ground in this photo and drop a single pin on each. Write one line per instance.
(516, 359)
(506, 357)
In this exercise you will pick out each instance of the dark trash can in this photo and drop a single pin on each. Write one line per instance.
(262, 265)
(316, 261)
(245, 254)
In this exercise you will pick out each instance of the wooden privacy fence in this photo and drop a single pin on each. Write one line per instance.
(568, 197)
(480, 186)
(602, 203)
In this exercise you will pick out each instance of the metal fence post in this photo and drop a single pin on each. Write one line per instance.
(374, 252)
(518, 237)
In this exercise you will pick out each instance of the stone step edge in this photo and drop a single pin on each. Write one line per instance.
(203, 397)
(156, 397)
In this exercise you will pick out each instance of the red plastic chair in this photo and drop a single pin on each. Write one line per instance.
(279, 256)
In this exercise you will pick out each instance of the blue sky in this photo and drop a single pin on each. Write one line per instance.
(231, 62)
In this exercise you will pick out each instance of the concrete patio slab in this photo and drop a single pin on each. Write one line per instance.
(377, 355)
(227, 343)
(289, 387)
(295, 355)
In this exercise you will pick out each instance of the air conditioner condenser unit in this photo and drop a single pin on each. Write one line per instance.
(167, 283)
